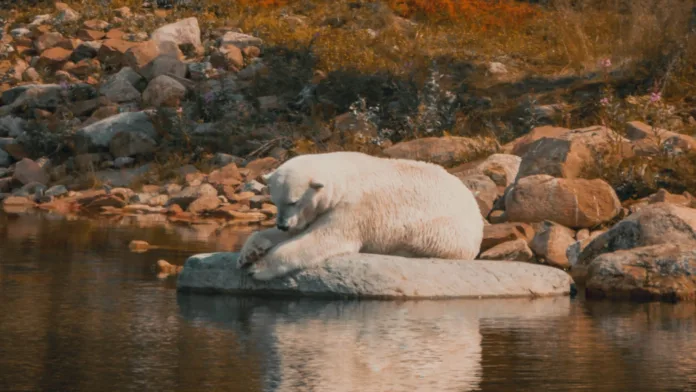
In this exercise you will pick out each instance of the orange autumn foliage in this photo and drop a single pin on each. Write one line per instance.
(485, 14)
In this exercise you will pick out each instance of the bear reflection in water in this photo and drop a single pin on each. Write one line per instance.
(341, 346)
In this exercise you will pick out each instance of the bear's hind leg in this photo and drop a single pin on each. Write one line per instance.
(444, 239)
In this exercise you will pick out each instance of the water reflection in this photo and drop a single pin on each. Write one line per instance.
(80, 312)
(313, 345)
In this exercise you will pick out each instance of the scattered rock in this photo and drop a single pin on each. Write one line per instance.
(551, 243)
(574, 203)
(100, 134)
(164, 91)
(185, 33)
(165, 269)
(27, 171)
(56, 191)
(240, 40)
(128, 144)
(500, 233)
(191, 193)
(501, 168)
(5, 159)
(203, 204)
(118, 89)
(517, 250)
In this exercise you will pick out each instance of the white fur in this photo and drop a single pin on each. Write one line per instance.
(349, 202)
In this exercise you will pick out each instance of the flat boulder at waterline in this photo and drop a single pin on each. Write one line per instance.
(378, 276)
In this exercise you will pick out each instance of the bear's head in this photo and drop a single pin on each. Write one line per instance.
(299, 192)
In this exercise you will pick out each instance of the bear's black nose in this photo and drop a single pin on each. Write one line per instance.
(283, 227)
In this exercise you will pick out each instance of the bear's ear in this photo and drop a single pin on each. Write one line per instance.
(266, 176)
(316, 185)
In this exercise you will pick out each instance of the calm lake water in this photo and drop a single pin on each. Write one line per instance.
(80, 312)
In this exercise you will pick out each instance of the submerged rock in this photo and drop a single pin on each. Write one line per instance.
(378, 276)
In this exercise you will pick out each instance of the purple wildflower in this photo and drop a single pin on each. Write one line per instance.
(606, 63)
(655, 96)
(604, 101)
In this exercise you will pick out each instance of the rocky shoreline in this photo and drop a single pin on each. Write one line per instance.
(99, 138)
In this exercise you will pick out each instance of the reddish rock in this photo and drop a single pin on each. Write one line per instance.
(516, 250)
(53, 58)
(497, 234)
(227, 175)
(203, 204)
(445, 151)
(27, 171)
(113, 51)
(90, 35)
(575, 203)
(261, 166)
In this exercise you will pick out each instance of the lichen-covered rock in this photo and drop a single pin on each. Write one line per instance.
(378, 276)
(655, 224)
(659, 272)
(569, 154)
(99, 134)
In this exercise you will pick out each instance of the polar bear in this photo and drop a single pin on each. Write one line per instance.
(337, 203)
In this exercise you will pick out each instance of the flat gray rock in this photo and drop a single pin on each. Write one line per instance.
(378, 276)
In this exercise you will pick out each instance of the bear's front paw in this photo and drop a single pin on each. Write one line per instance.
(254, 250)
(265, 271)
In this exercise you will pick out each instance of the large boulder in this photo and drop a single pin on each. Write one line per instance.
(574, 203)
(568, 155)
(521, 145)
(658, 272)
(445, 151)
(378, 276)
(100, 133)
(655, 224)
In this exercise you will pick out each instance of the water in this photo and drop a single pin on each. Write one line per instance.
(80, 312)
